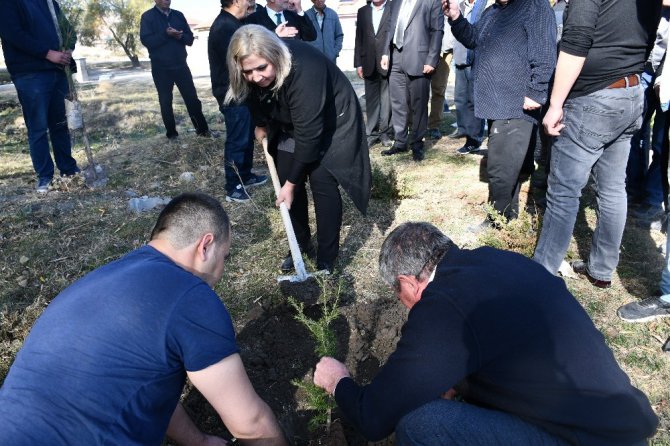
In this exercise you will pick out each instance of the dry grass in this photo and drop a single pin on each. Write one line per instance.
(47, 242)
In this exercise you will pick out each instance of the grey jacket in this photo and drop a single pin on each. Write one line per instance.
(329, 39)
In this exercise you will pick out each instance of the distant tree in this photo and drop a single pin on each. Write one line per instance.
(120, 17)
(74, 12)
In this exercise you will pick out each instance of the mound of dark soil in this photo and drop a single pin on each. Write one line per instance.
(277, 349)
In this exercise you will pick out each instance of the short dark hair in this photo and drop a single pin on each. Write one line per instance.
(188, 217)
(226, 3)
(412, 249)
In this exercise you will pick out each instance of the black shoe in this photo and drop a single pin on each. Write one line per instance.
(457, 135)
(71, 173)
(287, 263)
(394, 150)
(372, 140)
(386, 140)
(209, 134)
(418, 155)
(481, 227)
(471, 146)
(645, 310)
(580, 267)
(326, 267)
(434, 134)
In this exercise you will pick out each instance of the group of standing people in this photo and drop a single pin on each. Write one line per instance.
(301, 121)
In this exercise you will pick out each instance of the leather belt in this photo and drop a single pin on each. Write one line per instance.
(628, 81)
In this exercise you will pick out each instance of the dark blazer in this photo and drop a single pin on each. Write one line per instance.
(370, 47)
(305, 28)
(319, 109)
(28, 33)
(423, 36)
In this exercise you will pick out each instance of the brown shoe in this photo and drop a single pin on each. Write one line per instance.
(580, 267)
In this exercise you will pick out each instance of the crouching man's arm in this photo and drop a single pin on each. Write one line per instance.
(184, 432)
(228, 389)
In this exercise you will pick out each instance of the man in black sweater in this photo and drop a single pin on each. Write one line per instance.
(165, 33)
(595, 108)
(498, 331)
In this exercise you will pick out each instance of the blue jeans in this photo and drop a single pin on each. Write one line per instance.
(239, 146)
(42, 96)
(644, 180)
(464, 100)
(595, 140)
(446, 422)
(665, 275)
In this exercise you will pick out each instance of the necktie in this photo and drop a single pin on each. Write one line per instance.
(278, 14)
(403, 18)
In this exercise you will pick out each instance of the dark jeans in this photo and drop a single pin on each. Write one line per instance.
(464, 101)
(165, 80)
(509, 151)
(447, 422)
(42, 96)
(595, 141)
(409, 95)
(327, 208)
(239, 146)
(377, 106)
(644, 180)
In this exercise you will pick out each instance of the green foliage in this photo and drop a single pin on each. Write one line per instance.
(329, 301)
(518, 235)
(326, 345)
(121, 18)
(319, 401)
(384, 184)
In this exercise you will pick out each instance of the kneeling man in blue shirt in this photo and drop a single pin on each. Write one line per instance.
(107, 360)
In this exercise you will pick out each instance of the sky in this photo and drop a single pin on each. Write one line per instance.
(197, 9)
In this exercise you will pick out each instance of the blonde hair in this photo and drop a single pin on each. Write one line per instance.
(257, 40)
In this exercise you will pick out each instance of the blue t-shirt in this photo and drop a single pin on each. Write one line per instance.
(107, 360)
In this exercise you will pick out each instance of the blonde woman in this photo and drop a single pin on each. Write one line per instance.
(309, 112)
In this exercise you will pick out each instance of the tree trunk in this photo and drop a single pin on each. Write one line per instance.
(135, 61)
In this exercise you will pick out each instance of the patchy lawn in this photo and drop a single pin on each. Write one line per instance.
(47, 242)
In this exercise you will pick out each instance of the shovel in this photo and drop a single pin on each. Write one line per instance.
(298, 263)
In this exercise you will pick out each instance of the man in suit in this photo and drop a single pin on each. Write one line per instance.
(285, 17)
(414, 40)
(372, 22)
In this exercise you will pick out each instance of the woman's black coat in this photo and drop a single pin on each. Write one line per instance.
(318, 108)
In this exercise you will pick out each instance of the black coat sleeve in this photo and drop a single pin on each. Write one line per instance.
(423, 367)
(303, 24)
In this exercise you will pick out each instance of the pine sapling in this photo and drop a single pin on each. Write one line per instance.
(326, 345)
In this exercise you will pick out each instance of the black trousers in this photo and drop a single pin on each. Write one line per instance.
(409, 96)
(165, 80)
(327, 208)
(508, 153)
